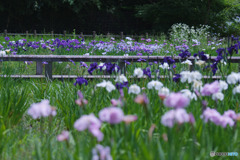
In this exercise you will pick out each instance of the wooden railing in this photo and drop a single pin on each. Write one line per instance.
(39, 59)
(64, 34)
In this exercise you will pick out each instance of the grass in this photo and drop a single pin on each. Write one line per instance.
(23, 138)
(166, 46)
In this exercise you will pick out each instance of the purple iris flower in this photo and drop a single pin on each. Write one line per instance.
(127, 62)
(185, 46)
(176, 100)
(201, 56)
(44, 62)
(34, 46)
(111, 67)
(52, 49)
(218, 59)
(148, 40)
(72, 61)
(177, 78)
(214, 67)
(147, 72)
(168, 60)
(28, 44)
(80, 81)
(185, 54)
(92, 67)
(141, 60)
(214, 116)
(220, 51)
(121, 85)
(234, 38)
(7, 38)
(83, 64)
(44, 46)
(209, 89)
(232, 49)
(101, 153)
(92, 123)
(112, 115)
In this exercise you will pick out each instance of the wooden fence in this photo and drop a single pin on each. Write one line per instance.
(64, 34)
(39, 59)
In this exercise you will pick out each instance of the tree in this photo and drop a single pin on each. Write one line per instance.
(161, 14)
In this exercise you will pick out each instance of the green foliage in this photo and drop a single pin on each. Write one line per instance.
(104, 16)
(162, 14)
(13, 103)
(227, 21)
(183, 32)
(23, 138)
(132, 141)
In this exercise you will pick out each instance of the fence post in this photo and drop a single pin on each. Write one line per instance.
(94, 34)
(5, 33)
(81, 34)
(64, 34)
(136, 37)
(39, 68)
(146, 35)
(52, 33)
(191, 67)
(122, 67)
(48, 70)
(108, 35)
(26, 33)
(121, 35)
(35, 33)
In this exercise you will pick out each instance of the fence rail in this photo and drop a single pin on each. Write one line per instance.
(64, 34)
(78, 58)
(39, 59)
(60, 77)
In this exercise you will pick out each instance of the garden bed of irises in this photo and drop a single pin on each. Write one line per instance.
(181, 116)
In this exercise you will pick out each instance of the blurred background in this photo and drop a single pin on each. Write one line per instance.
(115, 16)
